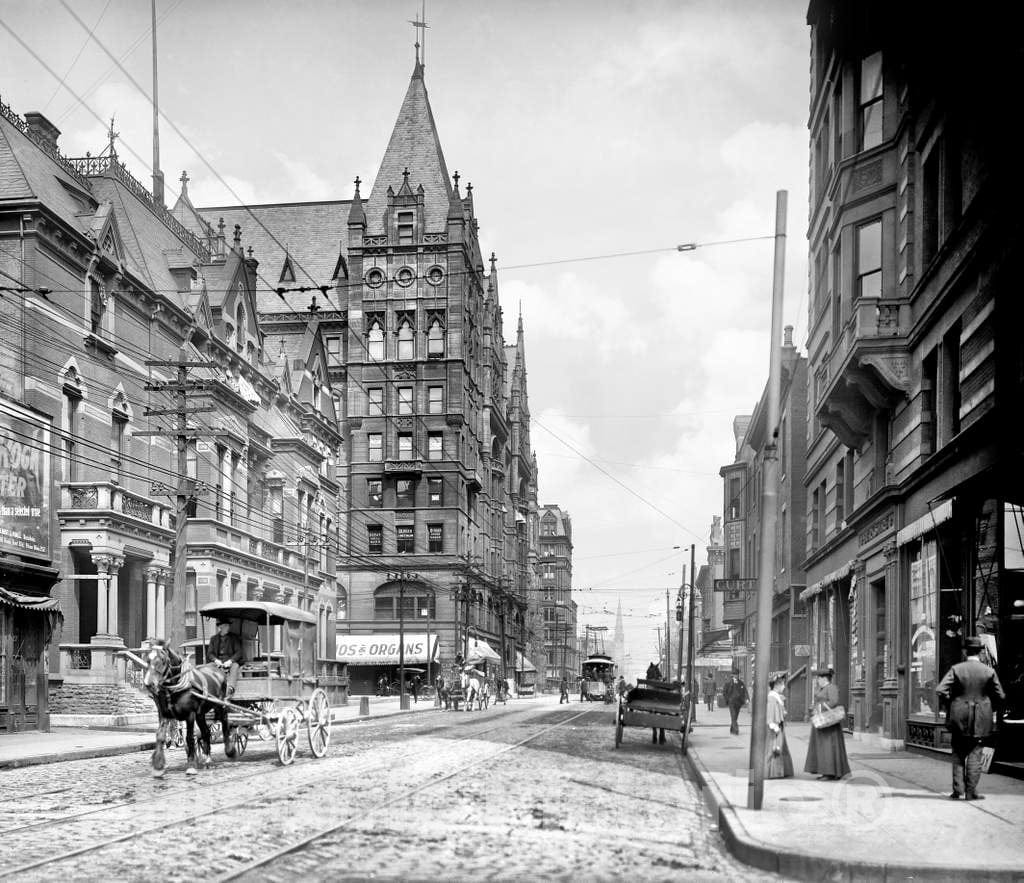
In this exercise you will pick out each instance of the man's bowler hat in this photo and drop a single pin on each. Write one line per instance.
(973, 644)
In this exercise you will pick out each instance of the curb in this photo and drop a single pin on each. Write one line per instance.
(809, 866)
(78, 754)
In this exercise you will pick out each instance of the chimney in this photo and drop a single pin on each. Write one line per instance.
(42, 129)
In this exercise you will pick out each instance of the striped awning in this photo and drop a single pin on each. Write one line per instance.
(30, 602)
(826, 581)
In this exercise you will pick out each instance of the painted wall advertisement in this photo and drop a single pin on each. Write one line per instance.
(383, 649)
(24, 481)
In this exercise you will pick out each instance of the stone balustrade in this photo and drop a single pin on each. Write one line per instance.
(111, 497)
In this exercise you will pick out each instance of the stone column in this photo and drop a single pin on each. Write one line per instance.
(894, 699)
(112, 597)
(102, 563)
(151, 602)
(161, 603)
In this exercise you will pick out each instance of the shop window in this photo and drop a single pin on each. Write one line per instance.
(924, 607)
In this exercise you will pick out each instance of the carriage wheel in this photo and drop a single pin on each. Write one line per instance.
(287, 735)
(235, 744)
(319, 723)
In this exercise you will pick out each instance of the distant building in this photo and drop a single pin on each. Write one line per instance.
(558, 610)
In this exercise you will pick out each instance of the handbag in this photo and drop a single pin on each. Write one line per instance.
(828, 717)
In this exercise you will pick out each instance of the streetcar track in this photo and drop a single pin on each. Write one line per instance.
(184, 820)
(367, 811)
(191, 788)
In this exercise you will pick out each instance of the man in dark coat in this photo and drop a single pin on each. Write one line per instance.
(970, 688)
(226, 651)
(563, 691)
(735, 695)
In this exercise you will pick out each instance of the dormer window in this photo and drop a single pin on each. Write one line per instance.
(287, 273)
(97, 306)
(240, 324)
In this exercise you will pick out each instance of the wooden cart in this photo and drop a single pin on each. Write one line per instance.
(659, 705)
(279, 687)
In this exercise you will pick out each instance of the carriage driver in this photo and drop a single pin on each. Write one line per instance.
(226, 651)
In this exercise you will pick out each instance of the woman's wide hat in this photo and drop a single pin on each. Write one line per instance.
(824, 670)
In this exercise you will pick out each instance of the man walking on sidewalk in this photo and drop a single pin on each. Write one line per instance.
(970, 688)
(735, 694)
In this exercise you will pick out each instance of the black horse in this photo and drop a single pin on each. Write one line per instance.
(179, 696)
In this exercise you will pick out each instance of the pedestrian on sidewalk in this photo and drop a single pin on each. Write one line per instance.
(826, 753)
(415, 688)
(735, 694)
(970, 689)
(564, 691)
(708, 689)
(778, 761)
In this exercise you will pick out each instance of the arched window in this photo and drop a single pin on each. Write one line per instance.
(435, 340)
(406, 342)
(375, 341)
(415, 599)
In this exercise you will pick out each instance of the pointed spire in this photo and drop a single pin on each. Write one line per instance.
(356, 215)
(456, 210)
(414, 145)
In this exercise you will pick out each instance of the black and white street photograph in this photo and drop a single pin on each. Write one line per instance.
(445, 440)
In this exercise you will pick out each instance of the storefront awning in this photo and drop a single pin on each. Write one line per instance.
(826, 581)
(382, 649)
(524, 664)
(30, 602)
(935, 517)
(481, 650)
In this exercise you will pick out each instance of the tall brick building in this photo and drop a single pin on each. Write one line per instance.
(437, 474)
(914, 457)
(558, 610)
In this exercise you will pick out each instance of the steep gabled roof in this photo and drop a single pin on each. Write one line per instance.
(415, 146)
(312, 235)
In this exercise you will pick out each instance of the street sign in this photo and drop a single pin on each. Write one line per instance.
(735, 584)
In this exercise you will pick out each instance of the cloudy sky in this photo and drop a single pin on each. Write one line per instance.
(587, 128)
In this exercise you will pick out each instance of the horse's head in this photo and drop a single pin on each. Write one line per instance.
(161, 664)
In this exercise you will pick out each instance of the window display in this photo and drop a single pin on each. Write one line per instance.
(924, 599)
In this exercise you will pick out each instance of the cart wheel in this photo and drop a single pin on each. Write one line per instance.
(287, 735)
(319, 723)
(236, 743)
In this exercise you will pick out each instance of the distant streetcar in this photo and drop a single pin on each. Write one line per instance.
(597, 681)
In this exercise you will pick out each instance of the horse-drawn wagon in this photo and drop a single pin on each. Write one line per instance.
(660, 705)
(280, 687)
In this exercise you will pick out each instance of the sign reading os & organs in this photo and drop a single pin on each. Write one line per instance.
(24, 481)
(383, 649)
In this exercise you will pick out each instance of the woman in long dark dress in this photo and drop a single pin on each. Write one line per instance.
(826, 754)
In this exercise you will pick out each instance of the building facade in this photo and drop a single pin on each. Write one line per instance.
(913, 479)
(437, 476)
(558, 609)
(744, 484)
(111, 290)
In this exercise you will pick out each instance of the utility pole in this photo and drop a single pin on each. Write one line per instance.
(691, 647)
(188, 488)
(769, 518)
(668, 639)
(679, 617)
(400, 577)
(501, 621)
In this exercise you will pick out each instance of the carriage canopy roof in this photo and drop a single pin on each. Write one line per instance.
(257, 611)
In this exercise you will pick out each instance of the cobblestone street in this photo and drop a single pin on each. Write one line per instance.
(528, 790)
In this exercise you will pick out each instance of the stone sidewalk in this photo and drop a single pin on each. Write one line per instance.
(81, 742)
(891, 819)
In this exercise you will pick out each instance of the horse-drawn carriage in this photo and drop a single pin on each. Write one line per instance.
(660, 705)
(279, 689)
